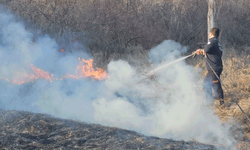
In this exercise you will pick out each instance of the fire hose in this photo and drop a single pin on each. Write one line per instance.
(193, 55)
(227, 90)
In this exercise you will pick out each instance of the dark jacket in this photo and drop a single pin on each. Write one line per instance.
(213, 51)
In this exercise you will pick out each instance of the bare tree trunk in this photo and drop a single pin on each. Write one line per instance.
(210, 16)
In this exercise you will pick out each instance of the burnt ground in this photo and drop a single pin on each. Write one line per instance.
(25, 130)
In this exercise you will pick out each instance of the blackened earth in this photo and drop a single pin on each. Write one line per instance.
(25, 130)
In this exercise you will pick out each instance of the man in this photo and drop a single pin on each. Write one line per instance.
(213, 53)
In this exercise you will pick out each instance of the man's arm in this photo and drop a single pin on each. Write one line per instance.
(209, 47)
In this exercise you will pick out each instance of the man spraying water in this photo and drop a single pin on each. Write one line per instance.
(213, 53)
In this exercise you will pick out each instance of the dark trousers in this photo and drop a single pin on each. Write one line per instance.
(212, 82)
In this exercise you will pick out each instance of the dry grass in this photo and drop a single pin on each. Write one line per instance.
(236, 78)
(25, 130)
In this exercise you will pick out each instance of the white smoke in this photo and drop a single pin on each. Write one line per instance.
(160, 53)
(168, 105)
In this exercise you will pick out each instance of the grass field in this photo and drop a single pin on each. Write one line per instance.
(236, 78)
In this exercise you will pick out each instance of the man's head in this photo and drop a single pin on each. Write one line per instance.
(214, 32)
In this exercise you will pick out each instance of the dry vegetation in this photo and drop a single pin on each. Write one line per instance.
(114, 28)
(236, 78)
(29, 131)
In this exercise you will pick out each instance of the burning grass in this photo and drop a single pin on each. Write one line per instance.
(84, 69)
(26, 130)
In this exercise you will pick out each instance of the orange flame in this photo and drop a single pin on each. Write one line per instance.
(88, 70)
(83, 70)
(39, 73)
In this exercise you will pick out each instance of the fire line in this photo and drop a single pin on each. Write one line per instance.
(84, 69)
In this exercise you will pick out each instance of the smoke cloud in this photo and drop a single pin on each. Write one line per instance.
(168, 104)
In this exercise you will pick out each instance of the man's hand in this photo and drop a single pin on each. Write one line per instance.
(200, 52)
